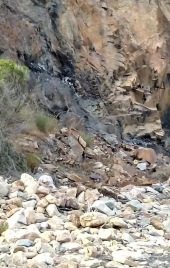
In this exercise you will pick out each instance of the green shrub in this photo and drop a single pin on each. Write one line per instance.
(13, 93)
(87, 138)
(13, 74)
(44, 122)
(33, 161)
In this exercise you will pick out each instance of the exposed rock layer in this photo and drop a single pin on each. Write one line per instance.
(116, 54)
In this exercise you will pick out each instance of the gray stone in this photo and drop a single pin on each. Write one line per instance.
(109, 202)
(102, 207)
(17, 219)
(30, 203)
(142, 166)
(127, 237)
(135, 205)
(24, 242)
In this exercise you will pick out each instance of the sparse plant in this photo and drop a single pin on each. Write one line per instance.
(26, 114)
(13, 95)
(87, 138)
(33, 161)
(10, 158)
(3, 226)
(45, 123)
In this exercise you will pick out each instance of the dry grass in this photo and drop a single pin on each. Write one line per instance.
(45, 123)
(10, 159)
(87, 138)
(26, 114)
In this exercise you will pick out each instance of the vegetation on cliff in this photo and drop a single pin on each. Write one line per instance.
(13, 95)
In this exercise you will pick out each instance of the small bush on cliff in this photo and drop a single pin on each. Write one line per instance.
(13, 95)
(87, 138)
(44, 122)
(33, 161)
(10, 159)
(13, 74)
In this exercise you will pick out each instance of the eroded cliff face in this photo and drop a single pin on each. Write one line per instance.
(115, 53)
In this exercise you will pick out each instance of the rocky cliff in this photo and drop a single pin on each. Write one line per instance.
(106, 61)
(96, 194)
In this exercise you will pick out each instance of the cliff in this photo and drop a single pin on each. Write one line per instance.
(115, 54)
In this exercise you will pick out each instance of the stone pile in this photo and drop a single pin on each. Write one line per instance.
(44, 226)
